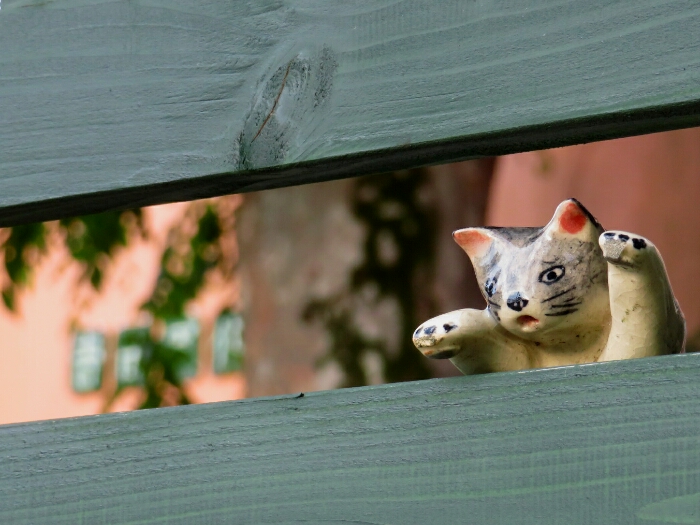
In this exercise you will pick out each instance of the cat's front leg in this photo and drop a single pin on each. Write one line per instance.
(646, 319)
(442, 337)
(472, 340)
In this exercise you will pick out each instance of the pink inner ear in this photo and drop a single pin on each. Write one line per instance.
(573, 219)
(473, 242)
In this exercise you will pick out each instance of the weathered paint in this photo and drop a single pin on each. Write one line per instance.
(609, 443)
(117, 104)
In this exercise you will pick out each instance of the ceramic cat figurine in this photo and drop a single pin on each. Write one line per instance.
(563, 294)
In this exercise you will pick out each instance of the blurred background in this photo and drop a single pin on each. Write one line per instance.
(305, 288)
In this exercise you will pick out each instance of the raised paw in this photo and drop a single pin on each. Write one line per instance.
(623, 248)
(430, 339)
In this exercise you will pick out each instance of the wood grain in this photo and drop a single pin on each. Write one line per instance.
(607, 443)
(109, 104)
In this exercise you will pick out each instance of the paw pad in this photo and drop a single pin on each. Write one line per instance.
(621, 248)
(448, 327)
(639, 244)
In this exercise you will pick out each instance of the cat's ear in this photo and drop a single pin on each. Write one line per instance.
(474, 241)
(571, 219)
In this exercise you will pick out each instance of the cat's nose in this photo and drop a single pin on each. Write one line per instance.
(516, 302)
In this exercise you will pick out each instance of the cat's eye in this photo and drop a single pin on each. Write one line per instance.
(490, 287)
(552, 275)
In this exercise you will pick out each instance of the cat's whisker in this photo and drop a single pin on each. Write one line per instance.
(569, 300)
(565, 305)
(565, 312)
(495, 305)
(593, 277)
(559, 294)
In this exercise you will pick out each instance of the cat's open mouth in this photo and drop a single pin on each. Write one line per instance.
(527, 321)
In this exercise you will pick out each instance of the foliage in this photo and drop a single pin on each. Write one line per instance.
(193, 249)
(399, 217)
(185, 263)
(93, 239)
(23, 245)
(348, 343)
(400, 220)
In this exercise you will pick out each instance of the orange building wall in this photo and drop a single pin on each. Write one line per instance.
(36, 344)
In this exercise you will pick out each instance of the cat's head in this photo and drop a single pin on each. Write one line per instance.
(538, 281)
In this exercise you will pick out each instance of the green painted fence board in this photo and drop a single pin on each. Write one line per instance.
(107, 104)
(611, 443)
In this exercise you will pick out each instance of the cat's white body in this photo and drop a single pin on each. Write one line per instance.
(564, 294)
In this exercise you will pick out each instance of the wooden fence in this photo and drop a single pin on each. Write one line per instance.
(112, 104)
